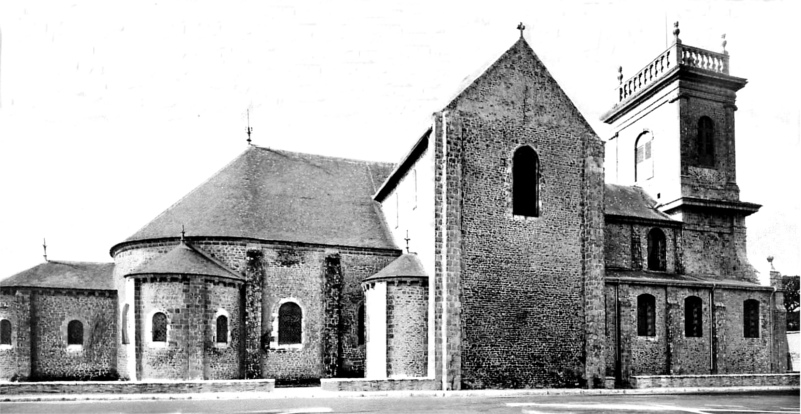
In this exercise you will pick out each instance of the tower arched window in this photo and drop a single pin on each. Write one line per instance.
(643, 157)
(526, 182)
(290, 324)
(705, 142)
(751, 318)
(646, 315)
(693, 317)
(657, 249)
(5, 332)
(159, 327)
(75, 333)
(222, 329)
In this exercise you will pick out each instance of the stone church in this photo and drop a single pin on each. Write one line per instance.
(511, 247)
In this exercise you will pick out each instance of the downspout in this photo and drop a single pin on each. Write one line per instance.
(444, 253)
(712, 330)
(618, 363)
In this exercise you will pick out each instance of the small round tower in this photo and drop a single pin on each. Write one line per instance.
(396, 307)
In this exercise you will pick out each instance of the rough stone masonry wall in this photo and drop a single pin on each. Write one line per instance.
(518, 284)
(648, 354)
(51, 311)
(626, 246)
(688, 355)
(407, 329)
(223, 361)
(714, 246)
(737, 354)
(15, 359)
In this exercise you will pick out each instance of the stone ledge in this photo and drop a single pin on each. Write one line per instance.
(123, 387)
(390, 384)
(727, 380)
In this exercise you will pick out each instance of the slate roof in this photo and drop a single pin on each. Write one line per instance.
(65, 275)
(407, 265)
(187, 260)
(277, 195)
(631, 201)
(668, 278)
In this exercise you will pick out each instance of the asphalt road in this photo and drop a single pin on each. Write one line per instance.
(701, 404)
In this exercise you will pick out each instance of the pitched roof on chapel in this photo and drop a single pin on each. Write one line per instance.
(632, 201)
(64, 275)
(268, 194)
(186, 260)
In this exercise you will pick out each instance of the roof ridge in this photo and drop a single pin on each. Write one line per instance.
(321, 156)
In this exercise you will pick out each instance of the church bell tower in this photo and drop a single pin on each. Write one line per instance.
(674, 136)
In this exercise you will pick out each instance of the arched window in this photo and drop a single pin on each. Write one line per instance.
(751, 318)
(75, 333)
(159, 327)
(125, 324)
(643, 158)
(361, 327)
(5, 332)
(657, 250)
(526, 182)
(222, 329)
(290, 324)
(646, 315)
(705, 142)
(693, 317)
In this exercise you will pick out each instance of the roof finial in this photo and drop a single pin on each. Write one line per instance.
(249, 128)
(770, 260)
(676, 32)
(407, 240)
(723, 43)
(620, 75)
(44, 246)
(521, 27)
(183, 233)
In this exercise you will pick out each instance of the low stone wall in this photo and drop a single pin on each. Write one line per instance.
(122, 387)
(731, 380)
(362, 384)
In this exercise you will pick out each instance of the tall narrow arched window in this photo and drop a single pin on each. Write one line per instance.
(657, 249)
(646, 315)
(693, 317)
(5, 332)
(705, 142)
(526, 182)
(159, 327)
(290, 324)
(75, 333)
(222, 329)
(751, 318)
(643, 157)
(361, 327)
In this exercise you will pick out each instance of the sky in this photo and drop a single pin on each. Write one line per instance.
(111, 111)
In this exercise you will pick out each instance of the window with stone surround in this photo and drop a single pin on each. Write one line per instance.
(657, 249)
(5, 332)
(290, 324)
(222, 330)
(705, 142)
(693, 317)
(158, 327)
(526, 182)
(751, 318)
(75, 333)
(643, 157)
(646, 315)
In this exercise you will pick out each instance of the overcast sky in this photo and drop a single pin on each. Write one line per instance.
(112, 111)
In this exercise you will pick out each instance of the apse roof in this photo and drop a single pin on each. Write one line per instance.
(64, 275)
(185, 259)
(268, 194)
(407, 265)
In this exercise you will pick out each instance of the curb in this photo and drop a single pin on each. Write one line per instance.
(318, 393)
